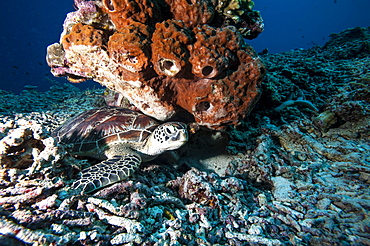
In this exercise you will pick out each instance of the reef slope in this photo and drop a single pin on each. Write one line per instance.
(296, 171)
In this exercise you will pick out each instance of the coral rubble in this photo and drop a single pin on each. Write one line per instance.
(297, 176)
(166, 56)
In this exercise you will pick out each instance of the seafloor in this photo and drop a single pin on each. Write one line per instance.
(296, 171)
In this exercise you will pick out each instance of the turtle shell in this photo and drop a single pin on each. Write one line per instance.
(91, 131)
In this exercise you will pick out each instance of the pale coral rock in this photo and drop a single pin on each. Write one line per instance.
(283, 189)
(59, 229)
(262, 199)
(194, 186)
(30, 194)
(104, 204)
(26, 147)
(46, 203)
(124, 238)
(130, 225)
(255, 230)
(253, 238)
(232, 185)
(33, 237)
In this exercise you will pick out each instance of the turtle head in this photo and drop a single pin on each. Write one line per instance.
(168, 136)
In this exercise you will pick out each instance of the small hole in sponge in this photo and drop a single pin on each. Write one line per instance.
(132, 59)
(207, 70)
(203, 106)
(109, 5)
(167, 65)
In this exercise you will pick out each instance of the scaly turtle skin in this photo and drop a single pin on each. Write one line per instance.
(121, 137)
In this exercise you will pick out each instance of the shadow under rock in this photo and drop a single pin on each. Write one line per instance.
(10, 241)
(206, 151)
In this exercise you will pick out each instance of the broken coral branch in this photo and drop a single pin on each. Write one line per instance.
(299, 101)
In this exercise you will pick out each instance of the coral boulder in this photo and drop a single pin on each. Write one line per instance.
(163, 61)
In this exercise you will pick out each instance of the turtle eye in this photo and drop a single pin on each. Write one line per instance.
(170, 130)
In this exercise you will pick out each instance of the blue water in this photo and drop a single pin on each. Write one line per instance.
(294, 24)
(28, 27)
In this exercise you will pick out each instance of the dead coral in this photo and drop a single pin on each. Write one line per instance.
(27, 147)
(23, 234)
(299, 101)
(289, 183)
(194, 186)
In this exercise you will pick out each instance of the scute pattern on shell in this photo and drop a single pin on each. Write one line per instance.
(97, 127)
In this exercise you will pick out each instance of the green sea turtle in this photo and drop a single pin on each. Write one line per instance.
(122, 138)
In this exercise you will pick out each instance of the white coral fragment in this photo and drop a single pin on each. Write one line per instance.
(131, 226)
(253, 238)
(126, 238)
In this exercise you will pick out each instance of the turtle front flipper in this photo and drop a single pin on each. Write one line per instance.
(107, 172)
